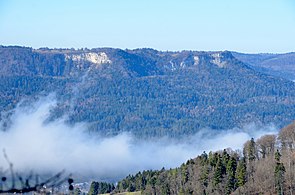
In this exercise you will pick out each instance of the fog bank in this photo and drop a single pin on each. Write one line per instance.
(33, 143)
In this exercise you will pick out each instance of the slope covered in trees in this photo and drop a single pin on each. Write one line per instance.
(148, 92)
(280, 65)
(265, 166)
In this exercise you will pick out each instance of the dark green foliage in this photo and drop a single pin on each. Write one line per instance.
(231, 173)
(213, 158)
(184, 174)
(186, 179)
(100, 188)
(219, 171)
(241, 172)
(204, 177)
(94, 188)
(279, 174)
(252, 150)
(77, 191)
(225, 158)
(204, 157)
(140, 90)
(278, 156)
(222, 172)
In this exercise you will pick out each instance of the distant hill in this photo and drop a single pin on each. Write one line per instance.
(281, 65)
(148, 92)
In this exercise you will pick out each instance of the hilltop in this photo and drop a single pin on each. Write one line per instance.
(145, 91)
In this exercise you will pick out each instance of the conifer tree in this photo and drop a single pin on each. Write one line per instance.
(252, 150)
(219, 170)
(204, 176)
(213, 158)
(230, 171)
(279, 174)
(225, 157)
(94, 188)
(241, 172)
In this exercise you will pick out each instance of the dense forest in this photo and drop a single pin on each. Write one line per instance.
(153, 94)
(147, 92)
(281, 65)
(264, 166)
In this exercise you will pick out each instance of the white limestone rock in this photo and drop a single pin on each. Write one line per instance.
(217, 60)
(196, 60)
(94, 58)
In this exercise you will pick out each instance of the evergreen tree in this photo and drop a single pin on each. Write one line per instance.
(279, 174)
(219, 171)
(94, 188)
(100, 188)
(77, 191)
(213, 158)
(184, 174)
(230, 171)
(204, 158)
(204, 176)
(252, 150)
(225, 157)
(241, 172)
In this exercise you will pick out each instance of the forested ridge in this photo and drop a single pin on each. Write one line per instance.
(264, 166)
(282, 65)
(153, 94)
(144, 91)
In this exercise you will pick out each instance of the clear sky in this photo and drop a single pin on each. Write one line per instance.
(241, 25)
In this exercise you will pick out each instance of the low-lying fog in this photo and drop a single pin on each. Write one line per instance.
(48, 147)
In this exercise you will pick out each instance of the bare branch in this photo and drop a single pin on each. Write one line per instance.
(24, 184)
(10, 168)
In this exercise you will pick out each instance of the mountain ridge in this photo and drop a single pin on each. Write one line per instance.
(279, 65)
(145, 91)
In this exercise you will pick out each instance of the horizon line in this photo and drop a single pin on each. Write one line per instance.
(137, 48)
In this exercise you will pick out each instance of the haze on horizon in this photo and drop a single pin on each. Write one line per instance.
(246, 26)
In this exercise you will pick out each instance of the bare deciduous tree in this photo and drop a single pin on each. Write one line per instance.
(16, 183)
(287, 140)
(266, 145)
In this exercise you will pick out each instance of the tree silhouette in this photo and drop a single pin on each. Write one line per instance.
(16, 183)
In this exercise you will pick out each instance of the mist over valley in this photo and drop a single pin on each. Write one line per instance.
(105, 113)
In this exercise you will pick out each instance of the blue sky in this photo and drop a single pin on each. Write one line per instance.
(242, 25)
